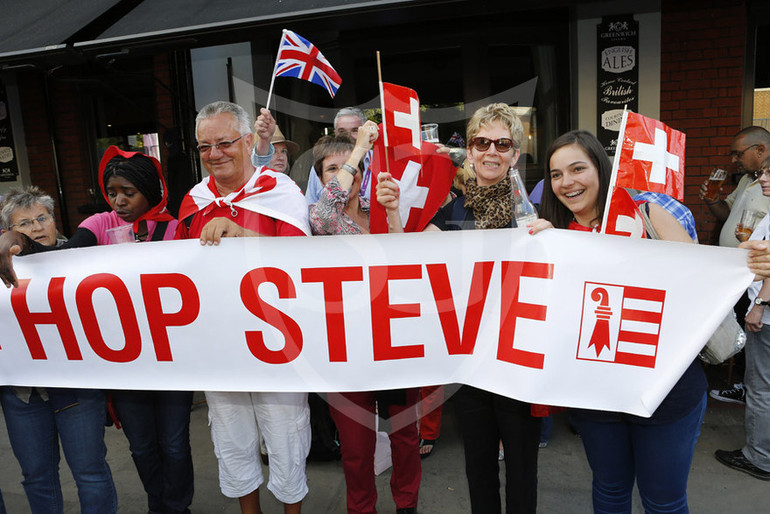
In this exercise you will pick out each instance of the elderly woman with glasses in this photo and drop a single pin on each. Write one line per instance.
(494, 141)
(30, 211)
(40, 419)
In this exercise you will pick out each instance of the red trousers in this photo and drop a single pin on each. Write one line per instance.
(354, 415)
(432, 401)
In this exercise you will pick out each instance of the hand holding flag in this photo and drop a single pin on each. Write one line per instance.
(421, 177)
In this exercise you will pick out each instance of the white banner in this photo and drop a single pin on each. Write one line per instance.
(560, 318)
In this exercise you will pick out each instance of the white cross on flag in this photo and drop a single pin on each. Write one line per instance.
(424, 182)
(401, 120)
(651, 157)
(423, 176)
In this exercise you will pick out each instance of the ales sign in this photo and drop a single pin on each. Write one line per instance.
(617, 75)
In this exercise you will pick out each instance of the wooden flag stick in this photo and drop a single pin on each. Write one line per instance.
(615, 165)
(382, 106)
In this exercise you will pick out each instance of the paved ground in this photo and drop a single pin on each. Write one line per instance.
(564, 486)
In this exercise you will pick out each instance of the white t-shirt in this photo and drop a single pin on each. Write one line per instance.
(762, 232)
(748, 195)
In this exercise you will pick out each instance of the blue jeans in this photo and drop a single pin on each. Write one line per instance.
(76, 418)
(657, 456)
(157, 425)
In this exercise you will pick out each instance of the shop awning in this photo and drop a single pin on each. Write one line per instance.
(163, 20)
(41, 26)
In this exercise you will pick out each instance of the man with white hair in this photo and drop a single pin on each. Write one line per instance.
(235, 201)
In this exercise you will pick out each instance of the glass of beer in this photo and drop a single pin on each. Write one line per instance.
(716, 179)
(749, 221)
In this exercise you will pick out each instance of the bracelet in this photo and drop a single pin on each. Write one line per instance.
(714, 202)
(350, 169)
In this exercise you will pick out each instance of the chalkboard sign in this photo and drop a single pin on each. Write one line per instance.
(9, 168)
(617, 75)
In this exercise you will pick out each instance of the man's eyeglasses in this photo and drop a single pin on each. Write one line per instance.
(221, 146)
(737, 155)
(758, 174)
(482, 144)
(24, 224)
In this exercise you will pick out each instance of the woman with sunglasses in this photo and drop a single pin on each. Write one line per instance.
(655, 452)
(494, 139)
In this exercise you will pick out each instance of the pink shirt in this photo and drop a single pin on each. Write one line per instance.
(100, 224)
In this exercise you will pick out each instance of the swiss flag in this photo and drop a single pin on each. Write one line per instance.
(401, 121)
(651, 157)
(424, 182)
(624, 218)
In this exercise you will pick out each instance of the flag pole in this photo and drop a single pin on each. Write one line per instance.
(384, 125)
(615, 166)
(272, 80)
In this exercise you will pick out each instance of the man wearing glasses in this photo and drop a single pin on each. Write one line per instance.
(236, 201)
(749, 148)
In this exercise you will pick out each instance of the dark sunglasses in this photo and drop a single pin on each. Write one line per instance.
(482, 144)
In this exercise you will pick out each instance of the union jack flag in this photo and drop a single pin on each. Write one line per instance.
(299, 58)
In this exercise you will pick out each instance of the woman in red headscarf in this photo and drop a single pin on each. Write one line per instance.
(156, 423)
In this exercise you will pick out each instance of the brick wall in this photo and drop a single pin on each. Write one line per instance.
(703, 46)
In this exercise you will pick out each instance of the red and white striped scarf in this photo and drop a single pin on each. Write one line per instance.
(267, 192)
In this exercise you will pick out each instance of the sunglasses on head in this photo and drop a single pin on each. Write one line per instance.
(482, 144)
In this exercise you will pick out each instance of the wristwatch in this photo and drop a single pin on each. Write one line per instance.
(760, 301)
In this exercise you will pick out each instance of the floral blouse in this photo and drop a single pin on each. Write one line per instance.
(327, 216)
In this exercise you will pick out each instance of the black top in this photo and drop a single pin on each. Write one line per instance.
(454, 216)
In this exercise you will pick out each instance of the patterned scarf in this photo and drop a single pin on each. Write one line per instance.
(492, 206)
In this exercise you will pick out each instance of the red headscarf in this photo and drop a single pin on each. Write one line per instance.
(155, 213)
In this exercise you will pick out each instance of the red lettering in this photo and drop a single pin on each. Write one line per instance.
(158, 320)
(442, 293)
(332, 279)
(58, 316)
(383, 311)
(269, 314)
(119, 292)
(511, 309)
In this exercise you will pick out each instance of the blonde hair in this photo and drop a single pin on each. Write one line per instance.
(491, 113)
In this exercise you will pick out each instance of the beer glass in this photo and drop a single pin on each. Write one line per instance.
(716, 179)
(749, 221)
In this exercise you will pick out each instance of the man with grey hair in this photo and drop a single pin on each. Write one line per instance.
(749, 148)
(236, 200)
(346, 122)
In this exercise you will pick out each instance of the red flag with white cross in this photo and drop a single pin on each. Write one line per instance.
(423, 176)
(423, 187)
(651, 157)
(401, 121)
(624, 218)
